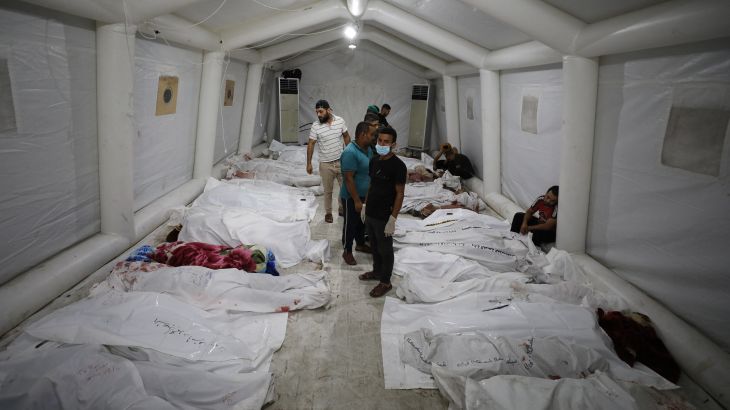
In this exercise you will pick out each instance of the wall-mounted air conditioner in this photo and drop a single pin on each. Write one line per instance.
(419, 123)
(289, 109)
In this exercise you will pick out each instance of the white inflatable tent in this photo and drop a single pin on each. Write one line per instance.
(624, 104)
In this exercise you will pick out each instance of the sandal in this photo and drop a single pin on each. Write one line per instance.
(381, 289)
(369, 276)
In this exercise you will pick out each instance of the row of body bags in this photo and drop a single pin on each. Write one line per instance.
(154, 336)
(493, 322)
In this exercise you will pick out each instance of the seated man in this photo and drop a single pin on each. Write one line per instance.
(544, 225)
(457, 164)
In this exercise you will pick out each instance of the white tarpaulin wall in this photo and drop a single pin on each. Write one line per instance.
(470, 121)
(229, 117)
(352, 81)
(531, 115)
(438, 117)
(165, 144)
(48, 142)
(267, 114)
(661, 227)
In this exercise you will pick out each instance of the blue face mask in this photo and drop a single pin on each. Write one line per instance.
(382, 149)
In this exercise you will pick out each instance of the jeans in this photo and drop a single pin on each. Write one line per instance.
(353, 228)
(382, 248)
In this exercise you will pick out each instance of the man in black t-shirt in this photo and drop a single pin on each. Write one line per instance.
(457, 164)
(385, 196)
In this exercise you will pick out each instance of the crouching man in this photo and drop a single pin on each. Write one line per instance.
(541, 218)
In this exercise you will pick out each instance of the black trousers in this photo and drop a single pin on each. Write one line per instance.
(382, 248)
(538, 237)
(353, 228)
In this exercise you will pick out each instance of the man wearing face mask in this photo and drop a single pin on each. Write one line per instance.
(331, 136)
(384, 199)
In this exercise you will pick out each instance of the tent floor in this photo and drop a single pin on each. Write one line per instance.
(331, 357)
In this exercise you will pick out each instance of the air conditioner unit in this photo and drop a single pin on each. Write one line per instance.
(289, 109)
(420, 97)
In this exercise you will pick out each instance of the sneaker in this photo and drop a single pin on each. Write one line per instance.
(349, 259)
(363, 248)
(328, 218)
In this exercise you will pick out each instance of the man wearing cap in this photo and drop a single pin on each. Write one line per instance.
(330, 134)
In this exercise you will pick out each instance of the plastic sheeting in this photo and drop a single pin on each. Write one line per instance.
(48, 143)
(290, 241)
(266, 125)
(351, 81)
(530, 161)
(435, 277)
(438, 119)
(229, 117)
(471, 235)
(487, 312)
(663, 228)
(156, 321)
(90, 377)
(597, 392)
(165, 145)
(549, 357)
(229, 289)
(280, 171)
(74, 377)
(268, 199)
(470, 121)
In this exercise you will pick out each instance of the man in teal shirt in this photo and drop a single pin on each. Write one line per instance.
(354, 163)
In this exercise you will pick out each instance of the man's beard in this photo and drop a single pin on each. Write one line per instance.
(324, 119)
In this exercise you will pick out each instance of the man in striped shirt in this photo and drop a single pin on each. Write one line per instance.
(330, 134)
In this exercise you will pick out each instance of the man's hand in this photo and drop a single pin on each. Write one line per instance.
(523, 229)
(309, 169)
(390, 226)
(362, 213)
(359, 207)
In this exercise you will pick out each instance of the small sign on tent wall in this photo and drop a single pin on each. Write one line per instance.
(228, 95)
(166, 95)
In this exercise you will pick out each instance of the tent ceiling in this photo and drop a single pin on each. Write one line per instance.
(462, 30)
(465, 21)
(236, 12)
(411, 40)
(591, 11)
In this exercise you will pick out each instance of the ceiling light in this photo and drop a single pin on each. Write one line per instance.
(350, 32)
